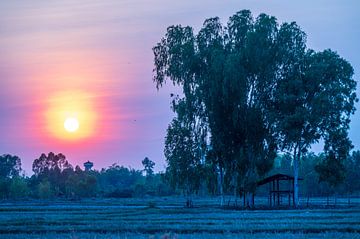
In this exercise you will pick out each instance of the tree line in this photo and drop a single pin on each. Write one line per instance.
(55, 178)
(251, 90)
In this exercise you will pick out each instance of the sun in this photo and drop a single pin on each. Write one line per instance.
(71, 124)
(71, 116)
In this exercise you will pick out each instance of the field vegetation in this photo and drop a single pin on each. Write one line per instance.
(167, 218)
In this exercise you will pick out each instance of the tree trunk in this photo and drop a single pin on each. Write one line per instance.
(244, 199)
(296, 178)
(189, 202)
(249, 200)
(235, 189)
(221, 188)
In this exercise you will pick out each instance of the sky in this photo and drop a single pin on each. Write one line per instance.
(93, 61)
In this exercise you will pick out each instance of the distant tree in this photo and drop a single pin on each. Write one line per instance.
(120, 179)
(352, 166)
(50, 162)
(148, 166)
(53, 168)
(81, 184)
(332, 169)
(10, 166)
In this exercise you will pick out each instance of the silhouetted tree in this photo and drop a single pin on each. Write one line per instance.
(255, 86)
(315, 98)
(53, 168)
(50, 162)
(148, 166)
(227, 76)
(10, 166)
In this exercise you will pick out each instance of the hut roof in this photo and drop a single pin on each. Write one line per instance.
(275, 177)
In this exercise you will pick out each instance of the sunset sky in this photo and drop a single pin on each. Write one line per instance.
(92, 60)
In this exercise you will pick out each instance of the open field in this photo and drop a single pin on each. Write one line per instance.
(166, 218)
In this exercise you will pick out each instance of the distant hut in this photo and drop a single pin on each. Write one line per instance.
(88, 165)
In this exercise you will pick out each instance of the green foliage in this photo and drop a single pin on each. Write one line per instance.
(183, 157)
(227, 76)
(46, 164)
(53, 168)
(19, 188)
(4, 188)
(118, 178)
(352, 165)
(250, 89)
(44, 190)
(331, 171)
(10, 168)
(81, 184)
(332, 168)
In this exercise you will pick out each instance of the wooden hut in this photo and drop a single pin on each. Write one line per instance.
(280, 185)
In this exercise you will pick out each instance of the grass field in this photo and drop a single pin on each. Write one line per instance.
(166, 218)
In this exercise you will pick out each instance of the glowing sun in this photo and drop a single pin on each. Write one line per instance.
(71, 115)
(71, 124)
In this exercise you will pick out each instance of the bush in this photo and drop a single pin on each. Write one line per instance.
(125, 193)
(44, 190)
(19, 188)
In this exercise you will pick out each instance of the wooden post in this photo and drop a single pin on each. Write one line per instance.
(253, 200)
(293, 194)
(289, 194)
(244, 200)
(278, 193)
(270, 194)
(274, 196)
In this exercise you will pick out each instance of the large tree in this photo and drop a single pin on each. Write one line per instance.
(315, 97)
(257, 88)
(227, 79)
